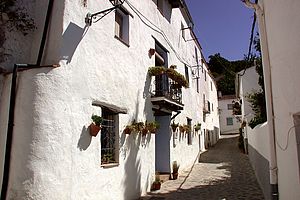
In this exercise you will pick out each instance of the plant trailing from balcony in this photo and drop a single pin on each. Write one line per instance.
(174, 126)
(197, 127)
(95, 126)
(236, 110)
(155, 71)
(171, 73)
(177, 77)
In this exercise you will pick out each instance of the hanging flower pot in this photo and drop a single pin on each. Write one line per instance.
(94, 129)
(174, 126)
(95, 126)
(129, 129)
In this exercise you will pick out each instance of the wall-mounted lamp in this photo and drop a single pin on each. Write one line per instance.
(89, 17)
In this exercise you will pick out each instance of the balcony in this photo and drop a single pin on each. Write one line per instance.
(166, 96)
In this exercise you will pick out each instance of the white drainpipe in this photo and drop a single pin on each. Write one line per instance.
(269, 96)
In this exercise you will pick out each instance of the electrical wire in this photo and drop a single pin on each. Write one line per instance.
(158, 30)
(251, 42)
(287, 140)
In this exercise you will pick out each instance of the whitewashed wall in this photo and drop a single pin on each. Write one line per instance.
(248, 83)
(282, 29)
(53, 155)
(224, 113)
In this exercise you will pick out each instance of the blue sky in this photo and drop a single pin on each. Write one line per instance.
(222, 26)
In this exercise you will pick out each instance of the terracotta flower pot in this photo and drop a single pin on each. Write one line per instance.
(156, 186)
(94, 129)
(175, 176)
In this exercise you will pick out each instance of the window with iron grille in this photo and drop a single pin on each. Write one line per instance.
(109, 139)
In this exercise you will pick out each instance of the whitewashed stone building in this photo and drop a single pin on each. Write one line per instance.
(103, 69)
(275, 145)
(229, 123)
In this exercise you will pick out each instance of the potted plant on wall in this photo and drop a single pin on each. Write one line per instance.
(129, 129)
(152, 126)
(197, 127)
(174, 126)
(95, 126)
(187, 128)
(157, 183)
(175, 167)
(181, 129)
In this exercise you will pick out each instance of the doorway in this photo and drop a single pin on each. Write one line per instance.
(162, 144)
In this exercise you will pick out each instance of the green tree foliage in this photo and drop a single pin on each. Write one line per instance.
(224, 71)
(257, 99)
(258, 105)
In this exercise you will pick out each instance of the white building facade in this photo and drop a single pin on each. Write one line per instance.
(103, 70)
(229, 123)
(278, 139)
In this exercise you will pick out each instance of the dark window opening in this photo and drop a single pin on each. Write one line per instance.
(109, 139)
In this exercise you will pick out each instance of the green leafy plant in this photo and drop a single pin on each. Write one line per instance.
(97, 120)
(129, 129)
(153, 126)
(177, 77)
(258, 105)
(155, 71)
(236, 110)
(187, 128)
(197, 127)
(181, 128)
(171, 73)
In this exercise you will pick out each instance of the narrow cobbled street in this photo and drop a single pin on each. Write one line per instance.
(222, 172)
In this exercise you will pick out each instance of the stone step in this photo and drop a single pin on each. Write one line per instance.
(164, 177)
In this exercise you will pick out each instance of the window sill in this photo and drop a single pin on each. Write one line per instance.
(110, 165)
(120, 39)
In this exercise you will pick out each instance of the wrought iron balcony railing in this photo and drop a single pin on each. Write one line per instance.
(165, 87)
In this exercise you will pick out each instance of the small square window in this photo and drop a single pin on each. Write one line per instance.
(229, 121)
(122, 26)
(229, 106)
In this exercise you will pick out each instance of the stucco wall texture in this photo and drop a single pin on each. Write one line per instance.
(224, 114)
(282, 27)
(53, 155)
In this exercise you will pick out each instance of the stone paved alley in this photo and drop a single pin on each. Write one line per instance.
(222, 173)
